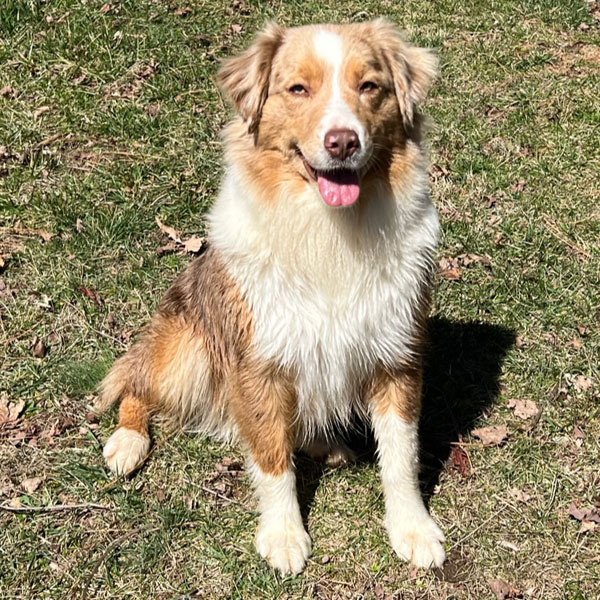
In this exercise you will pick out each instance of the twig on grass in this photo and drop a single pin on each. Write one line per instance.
(54, 508)
(558, 234)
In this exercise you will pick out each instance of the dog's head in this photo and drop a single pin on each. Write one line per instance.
(334, 100)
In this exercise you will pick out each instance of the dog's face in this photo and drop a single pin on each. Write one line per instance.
(333, 100)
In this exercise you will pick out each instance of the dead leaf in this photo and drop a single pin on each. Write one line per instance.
(520, 186)
(520, 342)
(503, 589)
(79, 225)
(38, 348)
(459, 461)
(582, 383)
(182, 11)
(32, 484)
(520, 495)
(578, 433)
(524, 409)
(172, 233)
(194, 244)
(494, 220)
(587, 526)
(45, 235)
(91, 294)
(583, 330)
(8, 91)
(493, 435)
(449, 269)
(10, 411)
(236, 28)
(38, 112)
(583, 514)
(105, 8)
(153, 109)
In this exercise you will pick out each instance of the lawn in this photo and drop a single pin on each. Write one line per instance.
(110, 118)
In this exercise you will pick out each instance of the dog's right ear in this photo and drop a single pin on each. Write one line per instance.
(245, 78)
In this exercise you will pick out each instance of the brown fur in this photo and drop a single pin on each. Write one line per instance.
(133, 414)
(264, 408)
(400, 391)
(203, 317)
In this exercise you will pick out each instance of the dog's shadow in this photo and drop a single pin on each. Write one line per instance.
(463, 362)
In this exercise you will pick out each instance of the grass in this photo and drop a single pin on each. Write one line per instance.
(130, 132)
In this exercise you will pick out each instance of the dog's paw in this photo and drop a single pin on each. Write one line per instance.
(125, 450)
(335, 455)
(285, 545)
(417, 540)
(340, 456)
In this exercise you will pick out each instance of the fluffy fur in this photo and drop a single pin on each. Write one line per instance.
(301, 313)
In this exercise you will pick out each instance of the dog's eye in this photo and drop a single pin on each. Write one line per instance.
(298, 90)
(368, 86)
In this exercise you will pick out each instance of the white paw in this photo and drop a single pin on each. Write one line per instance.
(417, 539)
(125, 450)
(285, 545)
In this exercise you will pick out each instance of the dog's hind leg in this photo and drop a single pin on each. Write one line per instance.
(127, 447)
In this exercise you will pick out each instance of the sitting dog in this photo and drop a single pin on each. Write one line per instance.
(309, 305)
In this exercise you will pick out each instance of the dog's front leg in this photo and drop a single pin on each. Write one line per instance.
(265, 411)
(395, 408)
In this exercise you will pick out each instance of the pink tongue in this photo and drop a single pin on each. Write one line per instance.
(339, 188)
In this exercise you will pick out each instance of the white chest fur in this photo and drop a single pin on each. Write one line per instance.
(333, 292)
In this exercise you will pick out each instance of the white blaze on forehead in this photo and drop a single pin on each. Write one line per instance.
(329, 47)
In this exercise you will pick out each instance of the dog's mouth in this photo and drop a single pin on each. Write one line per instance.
(338, 187)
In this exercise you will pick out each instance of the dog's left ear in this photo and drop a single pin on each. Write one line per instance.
(414, 69)
(245, 78)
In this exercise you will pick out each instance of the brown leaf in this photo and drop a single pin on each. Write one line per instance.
(172, 233)
(583, 330)
(524, 409)
(582, 383)
(38, 112)
(38, 348)
(10, 411)
(520, 495)
(520, 342)
(32, 484)
(493, 435)
(78, 225)
(449, 269)
(503, 589)
(583, 514)
(587, 526)
(194, 244)
(105, 8)
(182, 11)
(45, 235)
(91, 294)
(578, 433)
(8, 91)
(153, 109)
(520, 186)
(459, 461)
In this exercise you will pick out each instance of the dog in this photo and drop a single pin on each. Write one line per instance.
(309, 305)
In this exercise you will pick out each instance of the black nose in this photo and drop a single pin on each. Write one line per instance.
(341, 143)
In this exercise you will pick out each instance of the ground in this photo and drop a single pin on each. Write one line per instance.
(110, 117)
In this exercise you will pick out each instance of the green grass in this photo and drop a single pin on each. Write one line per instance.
(131, 132)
